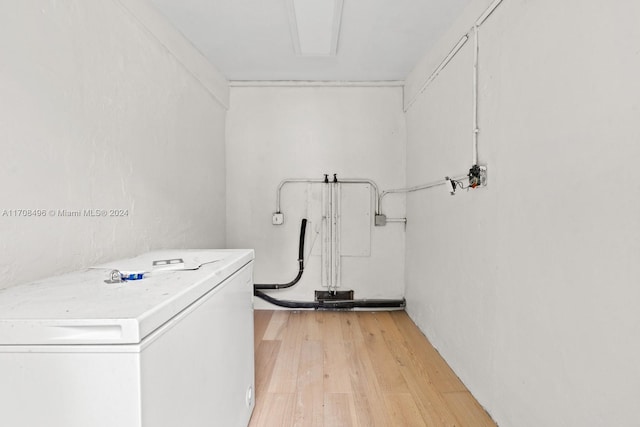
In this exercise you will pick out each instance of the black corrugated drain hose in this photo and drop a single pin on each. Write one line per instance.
(334, 305)
(318, 305)
(303, 228)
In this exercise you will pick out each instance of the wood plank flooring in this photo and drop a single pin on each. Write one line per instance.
(334, 369)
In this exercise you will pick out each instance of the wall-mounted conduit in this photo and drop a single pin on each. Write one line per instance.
(476, 56)
(331, 220)
(325, 180)
(332, 274)
(331, 228)
(444, 181)
(474, 31)
(319, 305)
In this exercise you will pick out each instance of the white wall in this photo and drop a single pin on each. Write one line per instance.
(529, 287)
(275, 133)
(96, 113)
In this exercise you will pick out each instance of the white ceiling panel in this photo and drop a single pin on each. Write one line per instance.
(252, 39)
(315, 26)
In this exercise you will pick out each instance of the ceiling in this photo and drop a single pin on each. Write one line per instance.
(252, 39)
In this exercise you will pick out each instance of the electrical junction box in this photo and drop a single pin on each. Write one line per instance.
(477, 176)
(380, 220)
(278, 218)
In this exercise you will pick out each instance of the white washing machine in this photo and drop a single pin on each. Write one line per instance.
(174, 348)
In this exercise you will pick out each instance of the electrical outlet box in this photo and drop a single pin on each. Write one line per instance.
(278, 218)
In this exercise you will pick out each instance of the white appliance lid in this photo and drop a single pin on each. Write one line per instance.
(80, 308)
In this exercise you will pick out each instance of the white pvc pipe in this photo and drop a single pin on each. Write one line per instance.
(474, 160)
(438, 69)
(487, 13)
(418, 187)
(292, 180)
(365, 181)
(331, 194)
(396, 220)
(336, 231)
(326, 246)
(332, 234)
(476, 55)
(476, 52)
(297, 83)
(321, 181)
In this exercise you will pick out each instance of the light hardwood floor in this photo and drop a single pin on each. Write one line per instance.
(321, 368)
